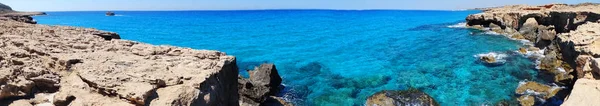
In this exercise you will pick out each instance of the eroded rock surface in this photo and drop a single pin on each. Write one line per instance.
(586, 92)
(91, 67)
(567, 35)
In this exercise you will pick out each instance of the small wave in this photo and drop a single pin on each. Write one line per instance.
(536, 54)
(459, 25)
(491, 33)
(500, 57)
(119, 15)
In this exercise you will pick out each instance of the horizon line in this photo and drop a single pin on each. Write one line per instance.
(261, 10)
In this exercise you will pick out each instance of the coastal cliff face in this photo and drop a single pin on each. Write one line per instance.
(79, 66)
(569, 36)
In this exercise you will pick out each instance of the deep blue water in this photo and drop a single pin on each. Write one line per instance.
(335, 57)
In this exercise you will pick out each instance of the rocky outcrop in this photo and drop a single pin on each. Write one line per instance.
(91, 67)
(6, 13)
(261, 88)
(567, 34)
(410, 97)
(586, 92)
(532, 91)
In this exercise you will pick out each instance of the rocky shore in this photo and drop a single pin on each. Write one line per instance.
(59, 66)
(568, 35)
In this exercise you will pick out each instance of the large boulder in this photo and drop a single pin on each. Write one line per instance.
(410, 97)
(529, 29)
(263, 83)
(585, 92)
(266, 75)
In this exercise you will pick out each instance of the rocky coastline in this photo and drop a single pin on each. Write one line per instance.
(569, 38)
(43, 65)
(59, 65)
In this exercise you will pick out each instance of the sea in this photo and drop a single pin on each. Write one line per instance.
(339, 57)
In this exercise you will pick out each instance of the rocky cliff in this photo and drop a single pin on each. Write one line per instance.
(569, 35)
(91, 67)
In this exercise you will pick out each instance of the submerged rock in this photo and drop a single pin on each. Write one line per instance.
(411, 97)
(492, 58)
(526, 100)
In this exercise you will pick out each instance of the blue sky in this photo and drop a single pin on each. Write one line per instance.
(83, 5)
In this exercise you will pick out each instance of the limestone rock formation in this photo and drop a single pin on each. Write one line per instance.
(586, 92)
(584, 40)
(566, 34)
(91, 67)
(411, 97)
(259, 89)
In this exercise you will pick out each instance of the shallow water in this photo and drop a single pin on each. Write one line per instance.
(334, 57)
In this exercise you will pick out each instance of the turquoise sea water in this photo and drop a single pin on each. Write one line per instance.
(337, 57)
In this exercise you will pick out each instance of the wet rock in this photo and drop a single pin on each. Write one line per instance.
(411, 97)
(585, 92)
(536, 89)
(276, 101)
(522, 50)
(550, 62)
(517, 36)
(488, 59)
(526, 100)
